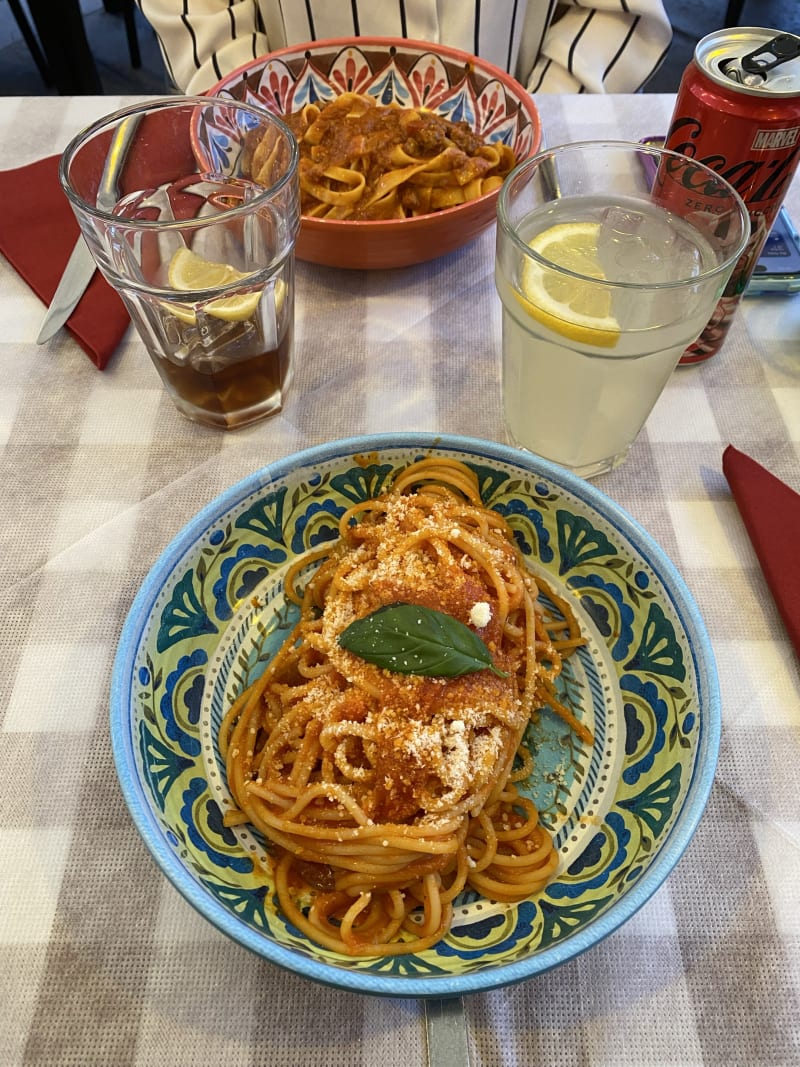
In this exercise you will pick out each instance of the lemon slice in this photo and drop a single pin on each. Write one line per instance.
(234, 308)
(280, 295)
(566, 305)
(188, 271)
(180, 311)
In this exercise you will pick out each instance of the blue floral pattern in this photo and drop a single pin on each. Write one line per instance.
(606, 604)
(180, 703)
(411, 77)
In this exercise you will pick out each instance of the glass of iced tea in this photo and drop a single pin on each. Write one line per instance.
(202, 255)
(608, 265)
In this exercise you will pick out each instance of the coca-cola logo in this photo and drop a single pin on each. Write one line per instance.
(693, 178)
(756, 180)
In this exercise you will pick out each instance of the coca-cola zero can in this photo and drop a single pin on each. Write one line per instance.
(738, 111)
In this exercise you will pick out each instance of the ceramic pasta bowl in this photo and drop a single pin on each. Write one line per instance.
(455, 85)
(620, 811)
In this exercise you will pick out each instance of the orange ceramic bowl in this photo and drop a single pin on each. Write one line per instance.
(412, 74)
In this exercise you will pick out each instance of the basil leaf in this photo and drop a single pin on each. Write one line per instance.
(410, 639)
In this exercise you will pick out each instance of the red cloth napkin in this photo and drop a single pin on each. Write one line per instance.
(37, 234)
(770, 510)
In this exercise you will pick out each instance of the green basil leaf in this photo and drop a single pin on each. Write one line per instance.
(410, 639)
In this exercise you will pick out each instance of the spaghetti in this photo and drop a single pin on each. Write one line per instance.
(384, 794)
(363, 160)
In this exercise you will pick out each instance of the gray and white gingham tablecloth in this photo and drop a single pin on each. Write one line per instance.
(101, 961)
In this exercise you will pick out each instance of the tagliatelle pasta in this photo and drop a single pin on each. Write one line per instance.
(363, 160)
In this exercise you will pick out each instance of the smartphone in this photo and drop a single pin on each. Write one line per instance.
(778, 266)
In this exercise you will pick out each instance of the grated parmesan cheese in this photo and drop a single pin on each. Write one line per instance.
(480, 614)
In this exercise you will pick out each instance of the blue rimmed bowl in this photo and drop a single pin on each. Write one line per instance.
(621, 812)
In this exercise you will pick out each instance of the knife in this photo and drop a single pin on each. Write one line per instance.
(81, 265)
(77, 275)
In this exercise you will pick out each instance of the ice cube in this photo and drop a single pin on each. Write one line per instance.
(685, 260)
(620, 245)
(659, 235)
(621, 221)
(221, 342)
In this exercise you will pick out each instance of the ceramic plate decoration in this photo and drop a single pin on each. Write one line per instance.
(621, 811)
(454, 84)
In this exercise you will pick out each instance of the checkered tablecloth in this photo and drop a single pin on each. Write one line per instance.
(101, 961)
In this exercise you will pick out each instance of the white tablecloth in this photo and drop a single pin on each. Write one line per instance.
(101, 961)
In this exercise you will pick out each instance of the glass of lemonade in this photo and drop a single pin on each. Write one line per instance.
(607, 268)
(201, 254)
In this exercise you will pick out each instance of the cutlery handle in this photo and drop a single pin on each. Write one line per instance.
(107, 192)
(446, 1032)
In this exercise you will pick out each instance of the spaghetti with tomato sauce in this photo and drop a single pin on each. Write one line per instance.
(383, 793)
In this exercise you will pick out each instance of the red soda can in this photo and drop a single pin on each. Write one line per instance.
(738, 111)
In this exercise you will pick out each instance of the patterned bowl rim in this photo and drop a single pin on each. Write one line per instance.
(526, 103)
(678, 838)
(401, 44)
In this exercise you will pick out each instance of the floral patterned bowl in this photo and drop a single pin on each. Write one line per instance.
(621, 812)
(410, 73)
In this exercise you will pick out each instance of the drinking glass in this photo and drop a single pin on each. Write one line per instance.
(607, 268)
(190, 207)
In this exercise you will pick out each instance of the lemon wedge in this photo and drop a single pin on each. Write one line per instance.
(234, 308)
(187, 271)
(566, 305)
(180, 311)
